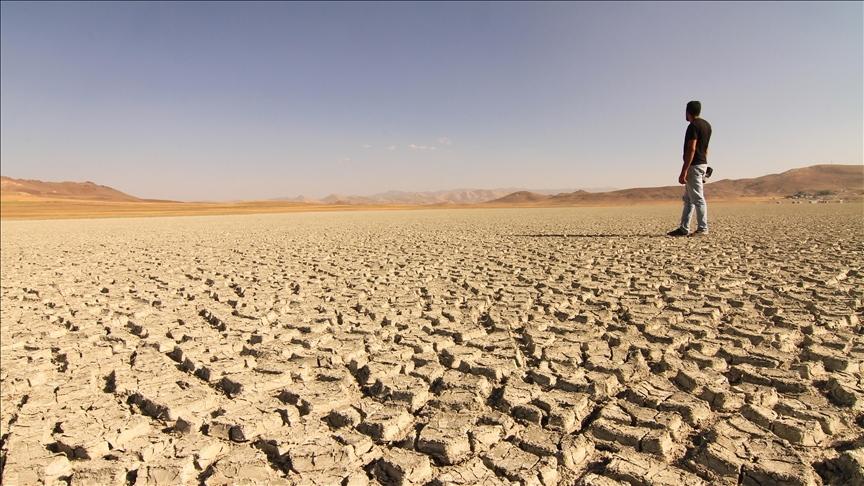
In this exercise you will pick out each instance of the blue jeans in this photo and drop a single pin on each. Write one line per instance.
(694, 197)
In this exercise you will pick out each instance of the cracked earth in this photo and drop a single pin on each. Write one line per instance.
(494, 347)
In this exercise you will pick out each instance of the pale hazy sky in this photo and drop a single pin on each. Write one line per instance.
(223, 101)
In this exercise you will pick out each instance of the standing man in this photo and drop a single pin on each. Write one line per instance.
(693, 172)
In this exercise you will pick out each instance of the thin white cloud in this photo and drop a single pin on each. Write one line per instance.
(366, 145)
(421, 147)
(444, 141)
(343, 160)
(392, 147)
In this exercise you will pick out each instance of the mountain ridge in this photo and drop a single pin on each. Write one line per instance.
(62, 190)
(424, 198)
(845, 179)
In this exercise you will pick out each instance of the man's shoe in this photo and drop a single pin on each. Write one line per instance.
(677, 232)
(700, 233)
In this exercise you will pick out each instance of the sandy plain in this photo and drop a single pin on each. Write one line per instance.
(33, 208)
(42, 208)
(449, 347)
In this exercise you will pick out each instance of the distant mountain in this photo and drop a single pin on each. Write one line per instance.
(847, 181)
(523, 197)
(456, 196)
(426, 198)
(300, 199)
(552, 192)
(62, 190)
(842, 179)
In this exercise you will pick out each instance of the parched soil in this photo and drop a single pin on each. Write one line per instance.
(35, 208)
(445, 347)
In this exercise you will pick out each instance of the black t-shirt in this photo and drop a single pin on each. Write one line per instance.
(699, 130)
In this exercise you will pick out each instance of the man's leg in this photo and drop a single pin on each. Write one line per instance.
(695, 193)
(687, 213)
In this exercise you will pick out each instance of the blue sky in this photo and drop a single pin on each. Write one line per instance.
(226, 101)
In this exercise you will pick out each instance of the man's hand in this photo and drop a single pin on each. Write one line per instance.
(689, 152)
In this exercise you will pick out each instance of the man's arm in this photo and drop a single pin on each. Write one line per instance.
(689, 152)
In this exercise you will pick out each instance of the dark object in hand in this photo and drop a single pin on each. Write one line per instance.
(708, 173)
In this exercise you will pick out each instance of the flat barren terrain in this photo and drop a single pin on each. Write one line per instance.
(446, 347)
(28, 207)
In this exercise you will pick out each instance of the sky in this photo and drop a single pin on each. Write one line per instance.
(238, 101)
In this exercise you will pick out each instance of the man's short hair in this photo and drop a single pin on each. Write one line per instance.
(694, 108)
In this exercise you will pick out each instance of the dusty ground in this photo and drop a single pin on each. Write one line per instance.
(543, 346)
(31, 208)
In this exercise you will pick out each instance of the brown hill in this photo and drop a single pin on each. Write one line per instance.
(846, 180)
(808, 180)
(61, 190)
(524, 197)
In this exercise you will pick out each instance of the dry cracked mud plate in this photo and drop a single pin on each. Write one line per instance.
(533, 347)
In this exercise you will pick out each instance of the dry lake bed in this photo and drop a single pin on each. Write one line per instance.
(447, 347)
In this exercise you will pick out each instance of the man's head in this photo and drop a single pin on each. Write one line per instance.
(694, 108)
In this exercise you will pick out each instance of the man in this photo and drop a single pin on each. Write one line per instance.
(693, 172)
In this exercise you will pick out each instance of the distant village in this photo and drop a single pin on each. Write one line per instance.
(820, 197)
